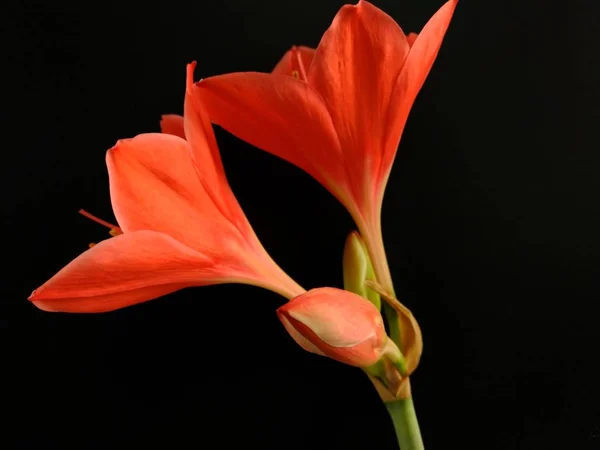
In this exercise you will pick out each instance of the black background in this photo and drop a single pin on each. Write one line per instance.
(491, 221)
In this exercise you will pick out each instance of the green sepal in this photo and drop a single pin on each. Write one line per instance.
(358, 269)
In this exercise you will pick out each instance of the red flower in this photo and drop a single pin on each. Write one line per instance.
(340, 116)
(181, 224)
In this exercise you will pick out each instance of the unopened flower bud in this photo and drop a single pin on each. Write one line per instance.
(338, 324)
(358, 269)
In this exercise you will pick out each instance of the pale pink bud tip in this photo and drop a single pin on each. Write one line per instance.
(336, 323)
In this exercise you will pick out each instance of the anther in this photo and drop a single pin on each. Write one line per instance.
(299, 74)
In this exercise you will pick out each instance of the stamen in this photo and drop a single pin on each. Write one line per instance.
(91, 244)
(295, 74)
(114, 230)
(301, 69)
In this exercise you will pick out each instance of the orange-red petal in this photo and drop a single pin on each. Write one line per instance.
(280, 115)
(154, 186)
(172, 124)
(355, 69)
(295, 62)
(127, 269)
(207, 159)
(416, 68)
(296, 336)
(411, 38)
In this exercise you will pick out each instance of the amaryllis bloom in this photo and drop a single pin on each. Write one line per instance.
(337, 324)
(181, 226)
(337, 114)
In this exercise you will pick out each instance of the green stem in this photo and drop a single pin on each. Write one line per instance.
(406, 424)
(401, 411)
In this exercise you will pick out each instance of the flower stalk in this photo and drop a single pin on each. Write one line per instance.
(390, 375)
(406, 424)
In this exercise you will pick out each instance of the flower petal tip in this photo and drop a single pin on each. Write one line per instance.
(119, 144)
(451, 4)
(43, 306)
(38, 296)
(363, 4)
(189, 82)
(353, 235)
(36, 299)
